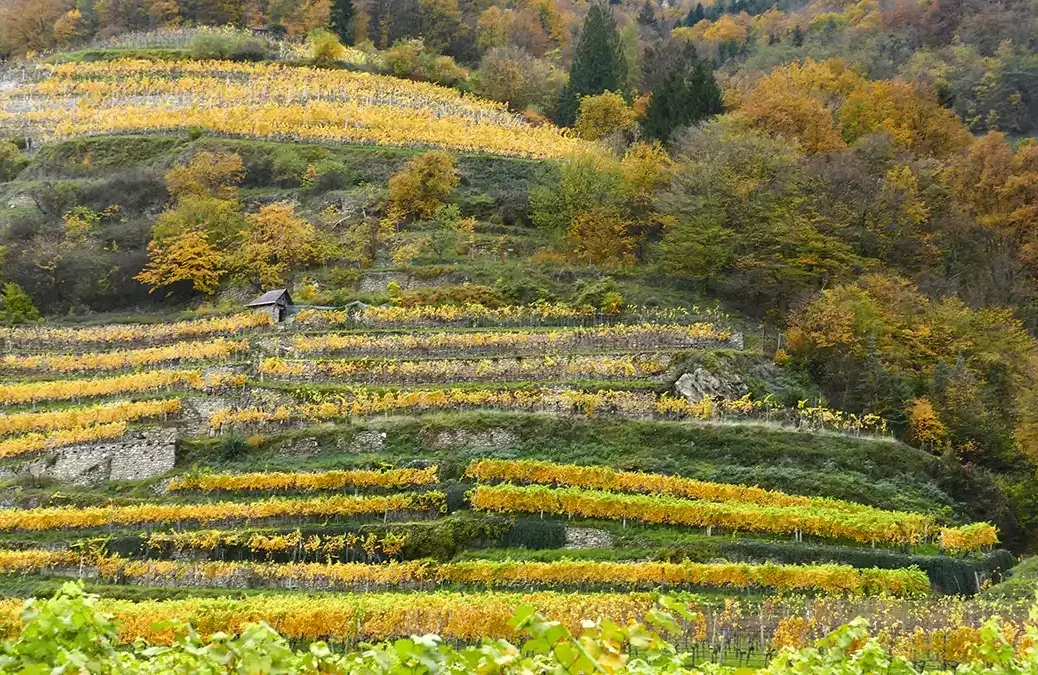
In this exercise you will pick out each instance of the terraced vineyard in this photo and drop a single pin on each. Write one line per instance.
(493, 457)
(269, 101)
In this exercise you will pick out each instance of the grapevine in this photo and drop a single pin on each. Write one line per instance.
(276, 101)
(120, 359)
(863, 527)
(34, 336)
(51, 518)
(618, 336)
(839, 579)
(372, 371)
(58, 390)
(607, 478)
(305, 482)
(34, 442)
(70, 418)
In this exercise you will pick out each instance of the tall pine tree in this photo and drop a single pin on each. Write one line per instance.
(647, 15)
(342, 15)
(688, 94)
(598, 63)
(695, 15)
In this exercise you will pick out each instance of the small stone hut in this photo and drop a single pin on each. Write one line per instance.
(275, 303)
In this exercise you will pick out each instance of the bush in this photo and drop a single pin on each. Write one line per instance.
(422, 186)
(603, 115)
(212, 46)
(410, 60)
(510, 75)
(324, 47)
(234, 447)
(536, 534)
(17, 305)
(11, 161)
(1020, 584)
(452, 295)
(208, 174)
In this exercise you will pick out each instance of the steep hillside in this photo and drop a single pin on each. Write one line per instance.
(750, 323)
(405, 452)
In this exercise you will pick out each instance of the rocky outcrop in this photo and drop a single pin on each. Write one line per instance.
(730, 375)
(701, 383)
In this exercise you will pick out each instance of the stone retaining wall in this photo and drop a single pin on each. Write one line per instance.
(137, 455)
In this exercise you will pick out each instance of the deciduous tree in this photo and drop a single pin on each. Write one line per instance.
(187, 257)
(422, 185)
(207, 174)
(275, 241)
(603, 115)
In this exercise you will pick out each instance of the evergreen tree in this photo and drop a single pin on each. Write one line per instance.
(647, 15)
(341, 15)
(695, 15)
(598, 63)
(17, 305)
(798, 36)
(688, 94)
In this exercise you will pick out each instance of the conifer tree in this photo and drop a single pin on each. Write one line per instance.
(695, 15)
(798, 36)
(647, 15)
(342, 16)
(598, 64)
(17, 305)
(689, 93)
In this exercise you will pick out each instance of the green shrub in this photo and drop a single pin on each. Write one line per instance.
(410, 60)
(12, 161)
(233, 447)
(452, 295)
(16, 306)
(207, 46)
(1020, 583)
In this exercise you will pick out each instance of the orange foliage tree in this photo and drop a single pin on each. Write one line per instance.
(184, 257)
(274, 241)
(208, 174)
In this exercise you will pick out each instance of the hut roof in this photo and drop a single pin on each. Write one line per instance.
(275, 297)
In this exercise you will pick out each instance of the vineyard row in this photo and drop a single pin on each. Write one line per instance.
(151, 381)
(72, 418)
(862, 527)
(607, 478)
(303, 481)
(474, 314)
(939, 631)
(360, 402)
(620, 336)
(839, 579)
(121, 358)
(36, 336)
(143, 515)
(394, 371)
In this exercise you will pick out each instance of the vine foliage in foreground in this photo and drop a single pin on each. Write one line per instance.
(69, 634)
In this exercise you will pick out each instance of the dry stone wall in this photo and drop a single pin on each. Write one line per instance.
(137, 455)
